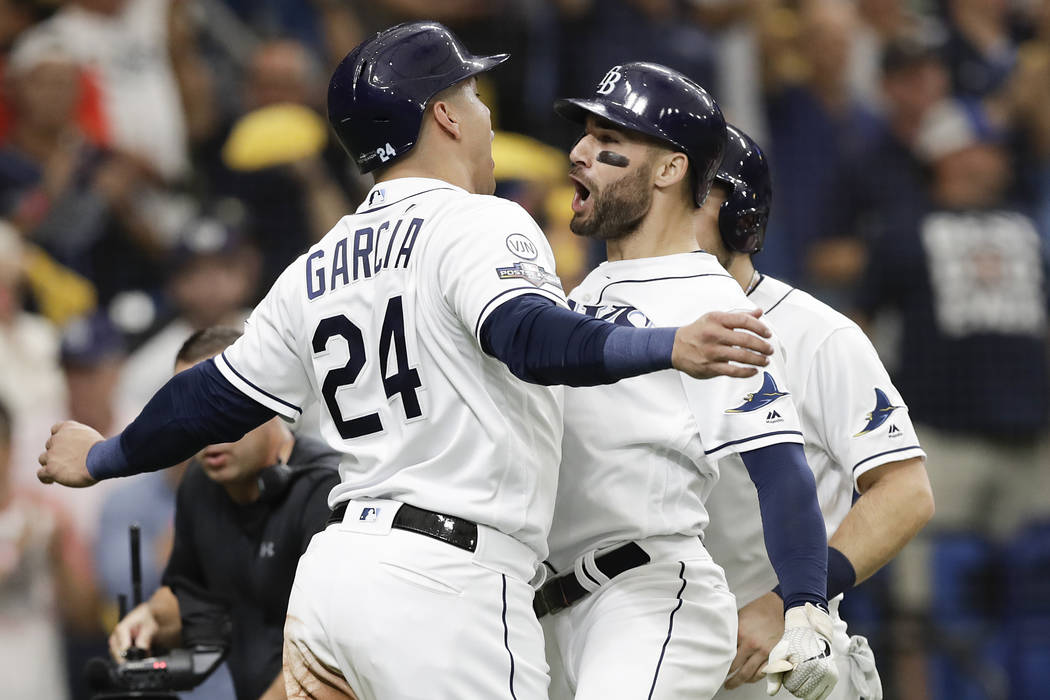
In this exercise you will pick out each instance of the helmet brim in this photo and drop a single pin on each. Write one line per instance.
(577, 110)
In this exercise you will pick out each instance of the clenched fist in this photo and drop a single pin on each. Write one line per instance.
(64, 459)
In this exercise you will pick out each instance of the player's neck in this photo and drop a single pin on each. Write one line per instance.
(449, 170)
(666, 230)
(742, 270)
(243, 491)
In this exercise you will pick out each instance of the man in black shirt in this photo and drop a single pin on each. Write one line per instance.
(244, 513)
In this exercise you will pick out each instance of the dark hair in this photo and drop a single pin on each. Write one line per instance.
(206, 343)
(5, 424)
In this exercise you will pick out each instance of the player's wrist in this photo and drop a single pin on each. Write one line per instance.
(841, 576)
(106, 459)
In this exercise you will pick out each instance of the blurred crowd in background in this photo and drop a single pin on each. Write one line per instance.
(161, 161)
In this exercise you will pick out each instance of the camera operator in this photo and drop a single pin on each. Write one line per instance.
(244, 513)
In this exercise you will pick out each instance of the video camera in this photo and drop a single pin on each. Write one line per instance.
(144, 677)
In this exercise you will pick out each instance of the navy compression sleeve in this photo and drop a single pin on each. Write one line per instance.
(792, 524)
(196, 408)
(543, 343)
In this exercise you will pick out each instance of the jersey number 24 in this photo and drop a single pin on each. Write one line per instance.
(404, 380)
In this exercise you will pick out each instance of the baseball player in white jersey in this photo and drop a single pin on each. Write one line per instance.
(636, 607)
(413, 322)
(858, 436)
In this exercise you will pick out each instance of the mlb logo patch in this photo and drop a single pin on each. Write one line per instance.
(369, 515)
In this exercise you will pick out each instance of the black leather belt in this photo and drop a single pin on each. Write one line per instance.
(564, 590)
(455, 531)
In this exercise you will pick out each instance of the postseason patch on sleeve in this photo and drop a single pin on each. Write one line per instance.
(530, 272)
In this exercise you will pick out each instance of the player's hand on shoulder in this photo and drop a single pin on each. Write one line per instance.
(707, 346)
(137, 628)
(64, 459)
(802, 660)
(760, 626)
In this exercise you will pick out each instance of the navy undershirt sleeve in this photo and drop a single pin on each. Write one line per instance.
(196, 408)
(543, 343)
(792, 524)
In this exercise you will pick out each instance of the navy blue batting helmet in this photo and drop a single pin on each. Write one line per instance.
(745, 172)
(378, 93)
(661, 103)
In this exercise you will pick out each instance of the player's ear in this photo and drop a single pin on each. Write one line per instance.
(446, 116)
(669, 168)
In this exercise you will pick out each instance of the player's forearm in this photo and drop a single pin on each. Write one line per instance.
(897, 502)
(792, 524)
(543, 343)
(195, 408)
(164, 607)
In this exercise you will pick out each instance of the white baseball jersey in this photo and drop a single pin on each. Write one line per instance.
(852, 416)
(640, 456)
(380, 321)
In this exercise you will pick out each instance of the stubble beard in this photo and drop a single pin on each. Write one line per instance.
(619, 210)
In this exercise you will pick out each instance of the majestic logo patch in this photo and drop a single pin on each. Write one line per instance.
(767, 394)
(773, 417)
(879, 414)
(530, 272)
(894, 431)
(520, 245)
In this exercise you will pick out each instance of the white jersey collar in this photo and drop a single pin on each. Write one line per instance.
(660, 266)
(391, 191)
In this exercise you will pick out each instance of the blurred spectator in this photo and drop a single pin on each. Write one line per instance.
(815, 123)
(881, 22)
(969, 281)
(332, 27)
(93, 354)
(889, 191)
(153, 84)
(214, 280)
(980, 51)
(596, 35)
(31, 381)
(737, 26)
(1025, 103)
(278, 160)
(45, 581)
(76, 201)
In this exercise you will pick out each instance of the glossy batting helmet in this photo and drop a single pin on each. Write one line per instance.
(661, 103)
(745, 172)
(378, 93)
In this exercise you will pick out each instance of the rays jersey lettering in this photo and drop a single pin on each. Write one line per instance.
(620, 314)
(379, 323)
(852, 417)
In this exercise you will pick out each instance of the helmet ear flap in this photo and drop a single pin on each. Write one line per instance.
(742, 220)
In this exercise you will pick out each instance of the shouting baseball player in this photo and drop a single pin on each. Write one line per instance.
(857, 432)
(414, 322)
(637, 608)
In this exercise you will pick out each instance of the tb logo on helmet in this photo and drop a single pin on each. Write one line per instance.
(609, 81)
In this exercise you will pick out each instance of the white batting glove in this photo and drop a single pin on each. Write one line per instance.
(802, 661)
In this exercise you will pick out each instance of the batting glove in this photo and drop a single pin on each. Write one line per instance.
(802, 661)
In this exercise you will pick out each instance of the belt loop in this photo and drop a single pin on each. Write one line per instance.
(587, 573)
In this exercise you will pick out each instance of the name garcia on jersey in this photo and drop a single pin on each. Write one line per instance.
(362, 255)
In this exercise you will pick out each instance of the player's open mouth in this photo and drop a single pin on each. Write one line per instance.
(579, 199)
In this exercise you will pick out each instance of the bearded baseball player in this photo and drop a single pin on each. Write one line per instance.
(431, 327)
(636, 607)
(858, 436)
